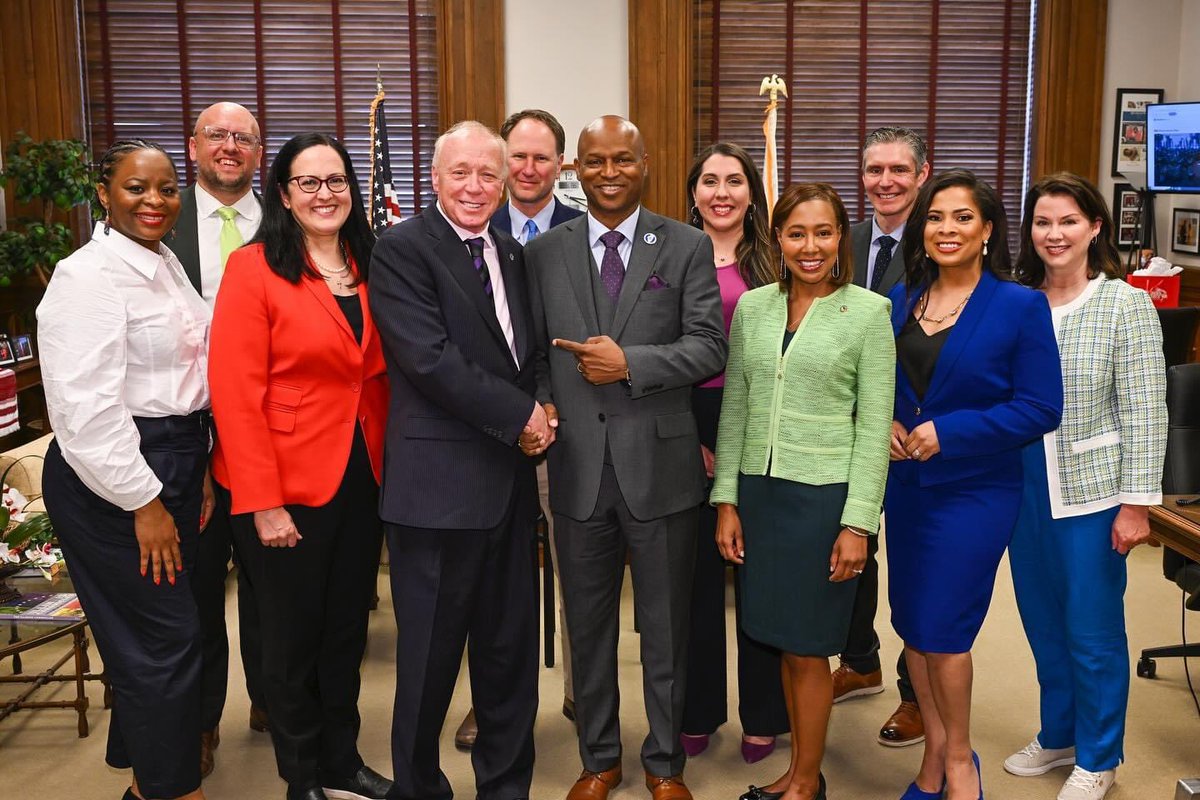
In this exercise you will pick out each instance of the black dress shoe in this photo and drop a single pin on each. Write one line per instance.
(569, 709)
(129, 795)
(366, 784)
(306, 793)
(759, 793)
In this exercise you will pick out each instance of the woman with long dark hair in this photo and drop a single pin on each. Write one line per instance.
(1088, 484)
(300, 400)
(728, 203)
(122, 337)
(977, 377)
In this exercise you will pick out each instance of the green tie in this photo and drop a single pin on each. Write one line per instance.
(231, 237)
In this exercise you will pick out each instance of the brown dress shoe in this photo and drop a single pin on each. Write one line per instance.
(671, 788)
(209, 741)
(259, 720)
(468, 731)
(847, 683)
(904, 727)
(595, 785)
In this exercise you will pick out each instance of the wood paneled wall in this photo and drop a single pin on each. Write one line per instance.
(1069, 87)
(471, 61)
(661, 36)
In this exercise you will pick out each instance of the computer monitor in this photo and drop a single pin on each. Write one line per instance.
(1173, 154)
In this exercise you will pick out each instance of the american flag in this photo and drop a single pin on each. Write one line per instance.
(385, 208)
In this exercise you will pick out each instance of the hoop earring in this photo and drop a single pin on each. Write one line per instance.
(783, 271)
(985, 247)
(694, 217)
(837, 267)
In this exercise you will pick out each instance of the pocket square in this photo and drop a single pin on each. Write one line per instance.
(655, 282)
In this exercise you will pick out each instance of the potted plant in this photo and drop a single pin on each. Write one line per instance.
(54, 174)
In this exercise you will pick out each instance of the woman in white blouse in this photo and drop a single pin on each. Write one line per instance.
(123, 339)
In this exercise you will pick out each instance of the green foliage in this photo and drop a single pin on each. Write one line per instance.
(56, 173)
(35, 531)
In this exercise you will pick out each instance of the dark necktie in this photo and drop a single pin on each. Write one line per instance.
(882, 260)
(612, 269)
(475, 245)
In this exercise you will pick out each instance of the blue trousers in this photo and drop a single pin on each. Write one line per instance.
(1070, 587)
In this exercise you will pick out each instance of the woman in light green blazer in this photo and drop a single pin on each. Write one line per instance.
(802, 457)
(1088, 484)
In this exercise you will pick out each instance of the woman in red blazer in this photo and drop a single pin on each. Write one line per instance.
(299, 395)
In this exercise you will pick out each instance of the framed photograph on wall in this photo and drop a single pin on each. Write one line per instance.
(1185, 231)
(1129, 129)
(1126, 212)
(23, 346)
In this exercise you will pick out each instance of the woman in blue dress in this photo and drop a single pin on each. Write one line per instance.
(977, 377)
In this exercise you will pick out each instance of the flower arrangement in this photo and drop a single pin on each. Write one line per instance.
(26, 535)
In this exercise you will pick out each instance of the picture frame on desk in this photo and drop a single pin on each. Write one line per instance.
(1185, 231)
(1129, 129)
(7, 355)
(22, 346)
(1126, 211)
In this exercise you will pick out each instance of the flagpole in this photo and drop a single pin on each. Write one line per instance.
(775, 86)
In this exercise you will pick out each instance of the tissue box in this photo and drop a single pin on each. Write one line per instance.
(1163, 289)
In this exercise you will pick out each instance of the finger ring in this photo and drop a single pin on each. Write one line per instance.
(579, 367)
(857, 571)
(917, 453)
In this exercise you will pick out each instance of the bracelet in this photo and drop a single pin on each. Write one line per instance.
(858, 531)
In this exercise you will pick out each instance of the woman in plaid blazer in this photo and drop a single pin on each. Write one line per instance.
(1088, 484)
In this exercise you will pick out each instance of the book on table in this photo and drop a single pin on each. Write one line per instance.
(42, 607)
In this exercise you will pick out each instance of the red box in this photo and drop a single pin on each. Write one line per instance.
(1163, 289)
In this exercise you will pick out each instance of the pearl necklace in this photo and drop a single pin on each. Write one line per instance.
(335, 277)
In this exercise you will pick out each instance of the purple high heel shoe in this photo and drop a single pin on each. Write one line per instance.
(752, 751)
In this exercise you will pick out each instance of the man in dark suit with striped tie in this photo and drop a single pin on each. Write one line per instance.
(894, 166)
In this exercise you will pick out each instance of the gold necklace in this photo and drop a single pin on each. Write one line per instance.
(944, 317)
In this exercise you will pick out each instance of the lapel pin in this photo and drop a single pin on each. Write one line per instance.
(649, 238)
(511, 257)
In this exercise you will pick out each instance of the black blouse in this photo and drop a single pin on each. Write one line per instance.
(352, 308)
(918, 353)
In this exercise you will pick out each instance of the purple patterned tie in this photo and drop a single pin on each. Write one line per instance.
(475, 245)
(612, 269)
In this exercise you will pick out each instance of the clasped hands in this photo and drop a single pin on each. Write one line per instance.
(540, 430)
(846, 561)
(919, 445)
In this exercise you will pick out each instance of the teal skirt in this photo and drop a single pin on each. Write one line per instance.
(789, 530)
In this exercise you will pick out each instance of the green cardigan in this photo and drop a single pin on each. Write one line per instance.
(822, 412)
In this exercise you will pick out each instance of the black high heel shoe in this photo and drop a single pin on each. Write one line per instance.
(759, 793)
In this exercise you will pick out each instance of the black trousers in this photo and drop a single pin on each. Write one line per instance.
(473, 588)
(208, 586)
(313, 600)
(147, 634)
(862, 643)
(761, 707)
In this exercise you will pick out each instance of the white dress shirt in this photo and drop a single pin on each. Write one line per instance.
(517, 219)
(874, 251)
(491, 258)
(627, 228)
(121, 334)
(208, 233)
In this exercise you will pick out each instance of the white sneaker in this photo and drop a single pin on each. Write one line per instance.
(1084, 785)
(1033, 759)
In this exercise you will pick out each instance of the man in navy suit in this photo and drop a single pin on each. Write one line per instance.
(894, 167)
(459, 498)
(536, 143)
(218, 213)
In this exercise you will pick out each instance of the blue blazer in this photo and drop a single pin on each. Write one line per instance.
(562, 212)
(996, 387)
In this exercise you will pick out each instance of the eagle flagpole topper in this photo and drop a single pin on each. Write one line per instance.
(775, 86)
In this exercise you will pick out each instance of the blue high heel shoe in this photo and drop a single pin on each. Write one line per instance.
(914, 792)
(978, 772)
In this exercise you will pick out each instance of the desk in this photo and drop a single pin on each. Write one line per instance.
(1177, 527)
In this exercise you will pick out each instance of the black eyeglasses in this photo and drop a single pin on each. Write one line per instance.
(311, 184)
(215, 135)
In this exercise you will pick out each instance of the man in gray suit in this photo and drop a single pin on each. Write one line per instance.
(894, 166)
(218, 213)
(627, 317)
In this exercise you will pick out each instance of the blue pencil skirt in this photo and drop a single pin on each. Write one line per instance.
(1070, 587)
(944, 545)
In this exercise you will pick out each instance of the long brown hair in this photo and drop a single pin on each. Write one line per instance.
(1102, 256)
(754, 250)
(799, 193)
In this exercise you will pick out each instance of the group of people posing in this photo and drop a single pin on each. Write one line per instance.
(752, 387)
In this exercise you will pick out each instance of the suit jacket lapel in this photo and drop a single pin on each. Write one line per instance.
(895, 271)
(514, 292)
(968, 320)
(860, 245)
(453, 253)
(579, 266)
(325, 298)
(648, 242)
(184, 239)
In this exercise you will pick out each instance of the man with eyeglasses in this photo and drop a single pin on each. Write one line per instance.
(219, 213)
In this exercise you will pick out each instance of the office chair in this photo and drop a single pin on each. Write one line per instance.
(1179, 333)
(1181, 475)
